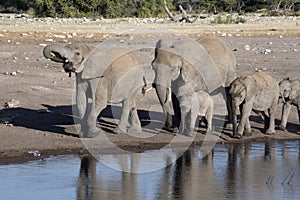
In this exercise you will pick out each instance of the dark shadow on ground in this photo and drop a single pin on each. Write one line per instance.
(53, 118)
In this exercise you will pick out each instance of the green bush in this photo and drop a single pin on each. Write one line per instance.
(228, 19)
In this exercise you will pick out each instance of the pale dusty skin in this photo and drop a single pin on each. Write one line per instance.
(112, 77)
(186, 66)
(290, 94)
(194, 105)
(258, 92)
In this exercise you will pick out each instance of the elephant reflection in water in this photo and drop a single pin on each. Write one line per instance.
(90, 185)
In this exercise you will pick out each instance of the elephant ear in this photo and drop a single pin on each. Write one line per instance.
(197, 63)
(251, 87)
(99, 60)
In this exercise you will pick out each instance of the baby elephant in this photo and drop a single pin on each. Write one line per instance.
(193, 105)
(258, 92)
(290, 94)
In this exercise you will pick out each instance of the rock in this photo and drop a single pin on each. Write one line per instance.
(88, 36)
(49, 40)
(42, 45)
(59, 36)
(247, 47)
(267, 51)
(34, 153)
(12, 104)
(13, 73)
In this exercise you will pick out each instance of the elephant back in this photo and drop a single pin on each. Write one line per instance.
(100, 60)
(222, 56)
(198, 57)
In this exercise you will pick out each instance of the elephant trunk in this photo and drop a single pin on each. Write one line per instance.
(56, 53)
(164, 96)
(234, 118)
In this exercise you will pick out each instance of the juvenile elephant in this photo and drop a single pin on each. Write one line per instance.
(194, 105)
(258, 92)
(184, 66)
(102, 77)
(290, 94)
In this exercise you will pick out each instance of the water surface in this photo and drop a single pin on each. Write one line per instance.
(246, 171)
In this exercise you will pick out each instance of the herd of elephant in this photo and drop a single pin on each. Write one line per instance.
(187, 72)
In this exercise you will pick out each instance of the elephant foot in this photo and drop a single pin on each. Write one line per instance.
(247, 134)
(175, 131)
(135, 128)
(90, 134)
(238, 136)
(117, 130)
(270, 132)
(281, 127)
(190, 134)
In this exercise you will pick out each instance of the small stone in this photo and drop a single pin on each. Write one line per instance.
(247, 47)
(13, 73)
(6, 73)
(264, 69)
(26, 58)
(12, 104)
(42, 45)
(295, 50)
(49, 40)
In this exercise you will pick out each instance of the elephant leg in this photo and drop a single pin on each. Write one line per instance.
(298, 108)
(177, 110)
(122, 126)
(209, 117)
(191, 123)
(284, 116)
(135, 123)
(271, 121)
(183, 123)
(91, 114)
(228, 100)
(247, 107)
(81, 99)
(247, 130)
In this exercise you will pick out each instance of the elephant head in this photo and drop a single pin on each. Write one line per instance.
(71, 55)
(241, 89)
(285, 90)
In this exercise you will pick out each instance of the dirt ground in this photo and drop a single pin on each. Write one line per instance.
(39, 93)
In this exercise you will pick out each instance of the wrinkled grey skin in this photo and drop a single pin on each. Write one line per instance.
(100, 82)
(194, 105)
(258, 92)
(181, 67)
(290, 94)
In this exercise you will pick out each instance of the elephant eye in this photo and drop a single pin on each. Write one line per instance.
(77, 54)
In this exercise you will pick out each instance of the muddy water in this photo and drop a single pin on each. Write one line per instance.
(248, 171)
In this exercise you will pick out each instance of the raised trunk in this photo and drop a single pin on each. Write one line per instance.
(55, 52)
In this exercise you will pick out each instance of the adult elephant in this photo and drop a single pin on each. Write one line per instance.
(185, 66)
(103, 76)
